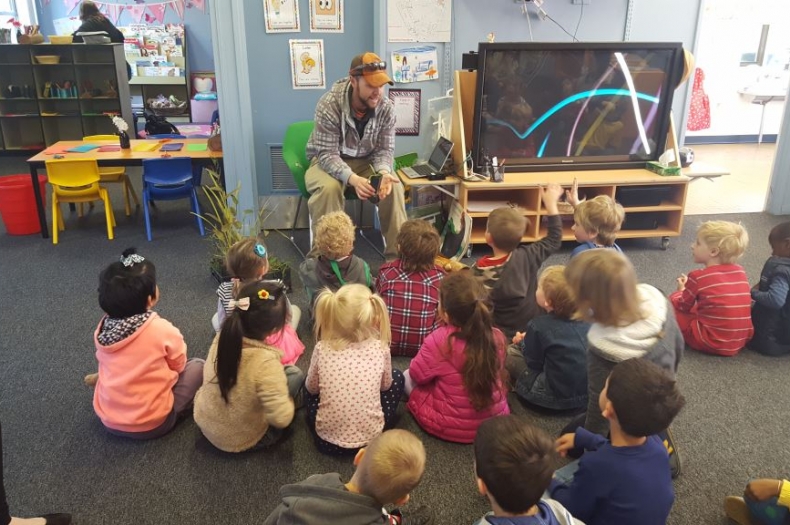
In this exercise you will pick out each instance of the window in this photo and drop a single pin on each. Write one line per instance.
(7, 7)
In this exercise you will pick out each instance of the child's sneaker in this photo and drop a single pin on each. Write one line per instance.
(735, 509)
(91, 379)
(415, 515)
(674, 457)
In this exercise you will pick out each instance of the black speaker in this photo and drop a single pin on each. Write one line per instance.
(469, 61)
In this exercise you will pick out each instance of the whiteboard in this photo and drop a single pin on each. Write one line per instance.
(66, 26)
(419, 20)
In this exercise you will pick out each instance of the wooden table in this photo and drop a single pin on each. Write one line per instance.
(127, 157)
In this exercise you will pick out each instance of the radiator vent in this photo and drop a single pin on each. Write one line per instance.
(282, 180)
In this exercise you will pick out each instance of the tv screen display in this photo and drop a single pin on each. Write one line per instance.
(546, 106)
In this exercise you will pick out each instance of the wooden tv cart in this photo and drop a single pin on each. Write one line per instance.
(523, 189)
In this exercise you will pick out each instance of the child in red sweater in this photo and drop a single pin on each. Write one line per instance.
(713, 304)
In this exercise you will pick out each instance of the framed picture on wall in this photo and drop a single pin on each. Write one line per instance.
(407, 110)
(326, 16)
(307, 64)
(281, 16)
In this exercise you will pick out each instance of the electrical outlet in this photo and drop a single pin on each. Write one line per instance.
(580, 2)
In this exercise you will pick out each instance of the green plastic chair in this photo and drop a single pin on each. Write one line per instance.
(295, 157)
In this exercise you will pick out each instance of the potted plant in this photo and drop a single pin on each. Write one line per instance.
(226, 229)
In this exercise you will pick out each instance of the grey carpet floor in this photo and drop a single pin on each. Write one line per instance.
(58, 457)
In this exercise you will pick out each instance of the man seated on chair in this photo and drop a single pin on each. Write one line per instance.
(353, 139)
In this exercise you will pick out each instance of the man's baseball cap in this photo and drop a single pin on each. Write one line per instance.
(370, 66)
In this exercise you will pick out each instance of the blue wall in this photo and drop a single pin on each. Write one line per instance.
(196, 23)
(275, 103)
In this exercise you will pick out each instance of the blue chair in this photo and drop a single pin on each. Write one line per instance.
(169, 179)
(166, 136)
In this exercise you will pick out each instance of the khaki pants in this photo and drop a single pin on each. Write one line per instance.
(326, 196)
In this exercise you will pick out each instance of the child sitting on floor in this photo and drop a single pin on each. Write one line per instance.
(596, 222)
(386, 471)
(248, 261)
(511, 272)
(335, 265)
(625, 479)
(145, 380)
(771, 309)
(409, 286)
(514, 462)
(764, 502)
(548, 363)
(713, 304)
(457, 380)
(352, 392)
(247, 397)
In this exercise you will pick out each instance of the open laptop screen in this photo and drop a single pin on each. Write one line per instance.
(440, 154)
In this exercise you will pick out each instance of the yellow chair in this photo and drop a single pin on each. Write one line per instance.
(76, 180)
(116, 174)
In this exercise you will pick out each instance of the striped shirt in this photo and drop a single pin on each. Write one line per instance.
(720, 297)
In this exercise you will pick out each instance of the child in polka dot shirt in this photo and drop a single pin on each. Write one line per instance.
(352, 392)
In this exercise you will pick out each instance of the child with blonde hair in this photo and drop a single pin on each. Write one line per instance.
(247, 396)
(629, 320)
(386, 471)
(511, 272)
(247, 261)
(352, 391)
(409, 286)
(771, 310)
(335, 265)
(713, 304)
(548, 363)
(458, 379)
(145, 381)
(596, 221)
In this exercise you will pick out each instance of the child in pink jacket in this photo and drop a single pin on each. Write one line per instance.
(448, 397)
(145, 380)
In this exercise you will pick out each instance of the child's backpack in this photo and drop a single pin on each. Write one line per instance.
(156, 125)
(456, 233)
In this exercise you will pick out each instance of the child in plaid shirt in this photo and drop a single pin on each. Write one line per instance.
(409, 286)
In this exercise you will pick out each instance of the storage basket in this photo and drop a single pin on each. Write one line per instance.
(61, 39)
(48, 59)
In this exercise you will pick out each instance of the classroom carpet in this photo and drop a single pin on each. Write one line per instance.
(58, 458)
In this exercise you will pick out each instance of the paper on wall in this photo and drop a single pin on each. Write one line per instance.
(419, 20)
(415, 64)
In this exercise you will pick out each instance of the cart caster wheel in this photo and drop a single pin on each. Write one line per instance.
(664, 243)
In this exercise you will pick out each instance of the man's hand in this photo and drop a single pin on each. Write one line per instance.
(572, 195)
(362, 186)
(564, 443)
(682, 280)
(518, 337)
(762, 489)
(387, 180)
(551, 194)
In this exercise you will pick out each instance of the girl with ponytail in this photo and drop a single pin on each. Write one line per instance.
(457, 380)
(246, 400)
(351, 391)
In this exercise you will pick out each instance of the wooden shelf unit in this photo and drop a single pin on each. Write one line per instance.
(523, 189)
(34, 122)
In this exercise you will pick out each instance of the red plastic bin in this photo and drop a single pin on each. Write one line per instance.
(18, 204)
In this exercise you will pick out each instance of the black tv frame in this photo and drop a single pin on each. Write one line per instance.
(671, 81)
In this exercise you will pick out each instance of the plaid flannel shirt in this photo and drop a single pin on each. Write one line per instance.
(335, 136)
(411, 299)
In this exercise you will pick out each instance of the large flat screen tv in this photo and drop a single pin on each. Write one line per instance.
(561, 106)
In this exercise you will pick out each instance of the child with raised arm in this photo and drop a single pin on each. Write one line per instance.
(596, 222)
(513, 465)
(386, 471)
(246, 400)
(458, 378)
(511, 272)
(625, 479)
(351, 392)
(771, 309)
(548, 362)
(409, 286)
(713, 304)
(145, 380)
(248, 261)
(336, 265)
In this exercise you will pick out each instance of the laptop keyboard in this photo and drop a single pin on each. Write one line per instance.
(423, 169)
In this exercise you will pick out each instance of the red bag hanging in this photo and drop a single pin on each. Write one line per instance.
(699, 110)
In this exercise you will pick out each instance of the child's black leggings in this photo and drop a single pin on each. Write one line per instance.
(389, 405)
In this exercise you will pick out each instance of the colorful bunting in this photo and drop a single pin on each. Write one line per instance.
(178, 7)
(158, 12)
(200, 4)
(136, 12)
(70, 5)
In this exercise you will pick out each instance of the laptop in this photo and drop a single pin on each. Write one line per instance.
(439, 156)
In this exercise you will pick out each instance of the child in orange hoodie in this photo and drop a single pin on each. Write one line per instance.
(145, 380)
